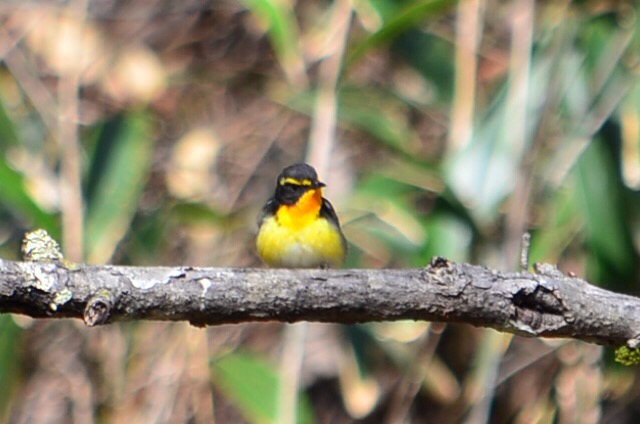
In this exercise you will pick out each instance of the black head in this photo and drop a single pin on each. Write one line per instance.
(294, 181)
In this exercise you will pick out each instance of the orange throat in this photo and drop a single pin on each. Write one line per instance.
(303, 212)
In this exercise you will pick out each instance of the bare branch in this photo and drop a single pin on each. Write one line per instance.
(543, 304)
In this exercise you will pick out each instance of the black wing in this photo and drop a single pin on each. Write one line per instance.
(270, 208)
(328, 212)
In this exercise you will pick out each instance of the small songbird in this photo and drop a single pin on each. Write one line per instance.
(297, 227)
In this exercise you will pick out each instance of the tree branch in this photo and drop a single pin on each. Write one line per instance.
(542, 304)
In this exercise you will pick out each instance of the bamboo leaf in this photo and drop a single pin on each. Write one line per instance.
(118, 174)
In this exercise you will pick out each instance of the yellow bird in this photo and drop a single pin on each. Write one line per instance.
(298, 228)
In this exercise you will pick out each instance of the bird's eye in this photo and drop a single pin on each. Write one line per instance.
(295, 190)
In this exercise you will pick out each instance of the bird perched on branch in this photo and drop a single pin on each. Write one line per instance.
(298, 228)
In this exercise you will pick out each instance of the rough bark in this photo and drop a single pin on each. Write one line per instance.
(541, 304)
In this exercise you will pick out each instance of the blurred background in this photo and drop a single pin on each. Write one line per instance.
(150, 132)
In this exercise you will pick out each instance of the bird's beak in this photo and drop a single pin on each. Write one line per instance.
(319, 184)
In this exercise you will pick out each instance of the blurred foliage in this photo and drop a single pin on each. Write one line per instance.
(186, 112)
(9, 361)
(119, 168)
(253, 386)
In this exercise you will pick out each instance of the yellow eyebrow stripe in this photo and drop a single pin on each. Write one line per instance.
(293, 181)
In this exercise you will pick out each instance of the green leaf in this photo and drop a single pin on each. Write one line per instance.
(484, 172)
(605, 205)
(252, 385)
(8, 133)
(395, 24)
(117, 176)
(13, 194)
(380, 114)
(562, 223)
(432, 57)
(282, 27)
(15, 198)
(191, 213)
(594, 37)
(448, 236)
(9, 360)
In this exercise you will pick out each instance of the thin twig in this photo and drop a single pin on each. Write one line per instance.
(70, 179)
(468, 34)
(525, 247)
(323, 124)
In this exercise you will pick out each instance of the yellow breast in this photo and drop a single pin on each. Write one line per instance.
(297, 237)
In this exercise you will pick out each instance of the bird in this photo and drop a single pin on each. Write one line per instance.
(297, 227)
